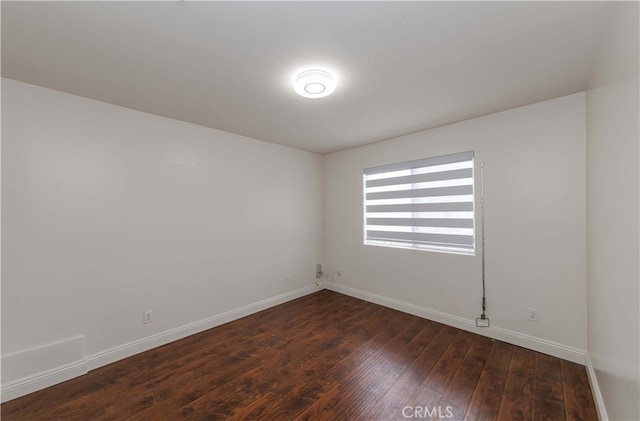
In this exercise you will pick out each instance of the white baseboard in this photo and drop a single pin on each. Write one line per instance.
(61, 373)
(35, 368)
(58, 374)
(120, 352)
(595, 389)
(42, 380)
(526, 341)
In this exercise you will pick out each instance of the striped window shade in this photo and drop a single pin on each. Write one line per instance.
(426, 204)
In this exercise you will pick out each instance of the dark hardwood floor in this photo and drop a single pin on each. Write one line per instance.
(325, 356)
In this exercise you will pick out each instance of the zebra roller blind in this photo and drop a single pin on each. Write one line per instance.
(425, 204)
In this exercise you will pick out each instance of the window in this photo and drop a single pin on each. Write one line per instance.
(426, 204)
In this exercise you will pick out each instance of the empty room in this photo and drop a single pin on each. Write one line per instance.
(320, 210)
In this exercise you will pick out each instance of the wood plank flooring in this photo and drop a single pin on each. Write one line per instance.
(325, 356)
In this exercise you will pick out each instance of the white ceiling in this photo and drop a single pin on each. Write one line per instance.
(401, 66)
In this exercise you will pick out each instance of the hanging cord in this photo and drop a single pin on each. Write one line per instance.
(483, 320)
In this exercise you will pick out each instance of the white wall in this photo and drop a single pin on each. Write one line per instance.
(108, 212)
(613, 209)
(534, 159)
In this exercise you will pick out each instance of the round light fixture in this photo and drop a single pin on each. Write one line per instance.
(315, 84)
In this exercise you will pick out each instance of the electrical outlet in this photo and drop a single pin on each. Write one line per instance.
(287, 279)
(533, 315)
(147, 317)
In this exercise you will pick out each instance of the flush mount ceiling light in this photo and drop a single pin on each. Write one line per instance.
(315, 84)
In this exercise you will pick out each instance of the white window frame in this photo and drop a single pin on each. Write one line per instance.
(428, 204)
